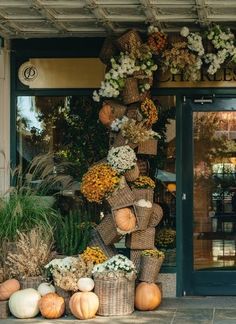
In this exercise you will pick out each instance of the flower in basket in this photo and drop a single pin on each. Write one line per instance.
(122, 158)
(148, 111)
(194, 41)
(99, 181)
(117, 266)
(117, 123)
(67, 272)
(94, 254)
(157, 40)
(136, 132)
(143, 182)
(153, 254)
(166, 238)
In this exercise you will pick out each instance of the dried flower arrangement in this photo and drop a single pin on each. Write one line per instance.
(149, 113)
(94, 254)
(67, 272)
(99, 181)
(122, 158)
(143, 182)
(33, 252)
(157, 40)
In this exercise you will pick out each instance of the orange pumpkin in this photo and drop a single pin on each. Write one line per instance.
(147, 296)
(84, 305)
(8, 287)
(52, 306)
(125, 219)
(106, 115)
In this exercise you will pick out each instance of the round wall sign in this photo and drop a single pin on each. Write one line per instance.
(27, 73)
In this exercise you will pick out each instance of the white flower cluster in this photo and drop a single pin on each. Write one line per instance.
(117, 263)
(115, 78)
(122, 158)
(117, 123)
(152, 29)
(194, 41)
(61, 264)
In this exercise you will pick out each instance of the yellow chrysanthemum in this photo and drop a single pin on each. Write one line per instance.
(143, 182)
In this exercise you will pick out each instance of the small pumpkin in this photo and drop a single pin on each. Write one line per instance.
(125, 219)
(52, 306)
(46, 288)
(84, 305)
(8, 287)
(85, 284)
(106, 115)
(25, 303)
(147, 296)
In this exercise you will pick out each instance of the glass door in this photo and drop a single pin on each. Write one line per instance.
(211, 260)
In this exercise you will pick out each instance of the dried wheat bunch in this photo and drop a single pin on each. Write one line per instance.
(33, 252)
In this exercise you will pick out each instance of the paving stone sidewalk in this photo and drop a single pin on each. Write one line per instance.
(186, 310)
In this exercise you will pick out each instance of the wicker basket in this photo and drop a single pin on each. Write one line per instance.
(143, 216)
(109, 250)
(144, 167)
(141, 240)
(134, 212)
(116, 296)
(119, 140)
(135, 257)
(108, 50)
(132, 174)
(31, 282)
(146, 194)
(107, 230)
(118, 109)
(4, 309)
(130, 92)
(148, 147)
(66, 295)
(149, 268)
(121, 197)
(129, 41)
(156, 215)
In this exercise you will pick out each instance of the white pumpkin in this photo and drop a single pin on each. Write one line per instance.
(24, 303)
(85, 284)
(46, 288)
(143, 203)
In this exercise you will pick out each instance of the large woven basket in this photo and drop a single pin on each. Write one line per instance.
(141, 240)
(132, 174)
(31, 282)
(118, 109)
(143, 216)
(4, 309)
(96, 240)
(121, 197)
(156, 216)
(146, 194)
(144, 167)
(135, 257)
(108, 50)
(107, 230)
(129, 41)
(66, 295)
(150, 268)
(148, 147)
(130, 92)
(116, 296)
(119, 140)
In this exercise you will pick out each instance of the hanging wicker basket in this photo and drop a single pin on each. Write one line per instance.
(121, 197)
(148, 147)
(107, 230)
(150, 268)
(141, 240)
(116, 296)
(4, 309)
(118, 109)
(132, 174)
(156, 216)
(135, 257)
(96, 240)
(130, 92)
(143, 216)
(146, 194)
(129, 41)
(108, 50)
(144, 167)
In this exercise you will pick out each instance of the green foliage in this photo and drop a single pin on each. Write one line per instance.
(73, 232)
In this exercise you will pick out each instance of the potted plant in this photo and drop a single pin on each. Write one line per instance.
(143, 188)
(150, 264)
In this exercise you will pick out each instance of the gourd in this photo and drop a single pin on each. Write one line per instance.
(143, 203)
(106, 115)
(52, 306)
(8, 287)
(25, 303)
(125, 219)
(85, 284)
(147, 296)
(46, 288)
(84, 305)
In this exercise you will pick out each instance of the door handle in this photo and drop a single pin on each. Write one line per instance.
(184, 196)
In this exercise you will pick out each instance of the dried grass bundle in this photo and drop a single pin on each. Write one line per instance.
(33, 252)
